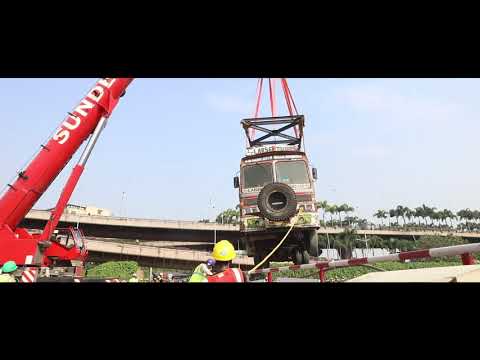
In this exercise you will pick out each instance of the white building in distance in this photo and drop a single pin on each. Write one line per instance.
(73, 209)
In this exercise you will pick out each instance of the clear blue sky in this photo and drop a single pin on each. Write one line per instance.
(172, 144)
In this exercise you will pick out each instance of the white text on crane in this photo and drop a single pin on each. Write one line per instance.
(74, 120)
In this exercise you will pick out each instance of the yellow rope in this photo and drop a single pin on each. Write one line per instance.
(294, 222)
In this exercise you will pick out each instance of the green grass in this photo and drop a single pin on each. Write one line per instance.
(343, 274)
(116, 269)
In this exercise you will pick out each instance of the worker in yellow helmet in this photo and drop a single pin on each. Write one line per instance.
(224, 253)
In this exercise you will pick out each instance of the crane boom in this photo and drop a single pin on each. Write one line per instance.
(52, 158)
(86, 120)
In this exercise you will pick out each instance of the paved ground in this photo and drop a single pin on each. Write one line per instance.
(438, 274)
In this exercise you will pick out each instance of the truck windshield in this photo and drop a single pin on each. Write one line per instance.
(257, 175)
(292, 172)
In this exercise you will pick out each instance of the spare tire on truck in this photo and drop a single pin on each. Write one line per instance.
(277, 202)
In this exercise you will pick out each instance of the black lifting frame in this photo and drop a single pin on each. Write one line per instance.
(290, 121)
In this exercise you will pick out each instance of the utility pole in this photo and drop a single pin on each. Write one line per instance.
(122, 205)
(214, 221)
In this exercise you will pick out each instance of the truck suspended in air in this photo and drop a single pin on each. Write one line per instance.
(275, 182)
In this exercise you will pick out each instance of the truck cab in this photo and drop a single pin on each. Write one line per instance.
(275, 184)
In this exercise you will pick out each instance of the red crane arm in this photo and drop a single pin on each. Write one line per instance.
(32, 182)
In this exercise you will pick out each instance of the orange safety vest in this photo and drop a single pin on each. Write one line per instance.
(229, 275)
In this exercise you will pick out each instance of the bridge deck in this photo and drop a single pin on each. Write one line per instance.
(192, 225)
(157, 252)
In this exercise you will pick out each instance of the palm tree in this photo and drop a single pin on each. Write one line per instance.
(376, 242)
(393, 213)
(347, 209)
(467, 215)
(409, 213)
(352, 220)
(475, 215)
(452, 217)
(447, 214)
(340, 209)
(430, 212)
(322, 205)
(362, 223)
(419, 213)
(337, 210)
(464, 214)
(331, 209)
(380, 214)
(345, 242)
(443, 217)
(229, 216)
(435, 216)
(400, 210)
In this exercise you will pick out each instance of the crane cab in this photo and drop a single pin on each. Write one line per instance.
(66, 245)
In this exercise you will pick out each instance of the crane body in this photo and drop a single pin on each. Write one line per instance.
(87, 120)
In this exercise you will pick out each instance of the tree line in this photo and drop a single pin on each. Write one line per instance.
(228, 216)
(348, 240)
(334, 211)
(421, 217)
(429, 217)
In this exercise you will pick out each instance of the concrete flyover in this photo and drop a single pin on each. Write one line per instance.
(113, 238)
(155, 256)
(194, 235)
(188, 231)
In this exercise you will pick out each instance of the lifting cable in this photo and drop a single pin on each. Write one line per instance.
(289, 100)
(273, 102)
(294, 222)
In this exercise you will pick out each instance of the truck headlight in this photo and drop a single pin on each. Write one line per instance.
(307, 207)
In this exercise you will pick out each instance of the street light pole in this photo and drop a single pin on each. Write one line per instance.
(122, 205)
(214, 222)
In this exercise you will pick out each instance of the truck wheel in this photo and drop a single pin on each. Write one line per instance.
(277, 202)
(312, 243)
(297, 257)
(259, 257)
(305, 257)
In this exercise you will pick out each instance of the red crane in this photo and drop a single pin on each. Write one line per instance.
(87, 120)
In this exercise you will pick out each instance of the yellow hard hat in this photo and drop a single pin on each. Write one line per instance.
(224, 251)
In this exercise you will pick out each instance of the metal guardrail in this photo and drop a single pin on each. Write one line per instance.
(464, 251)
